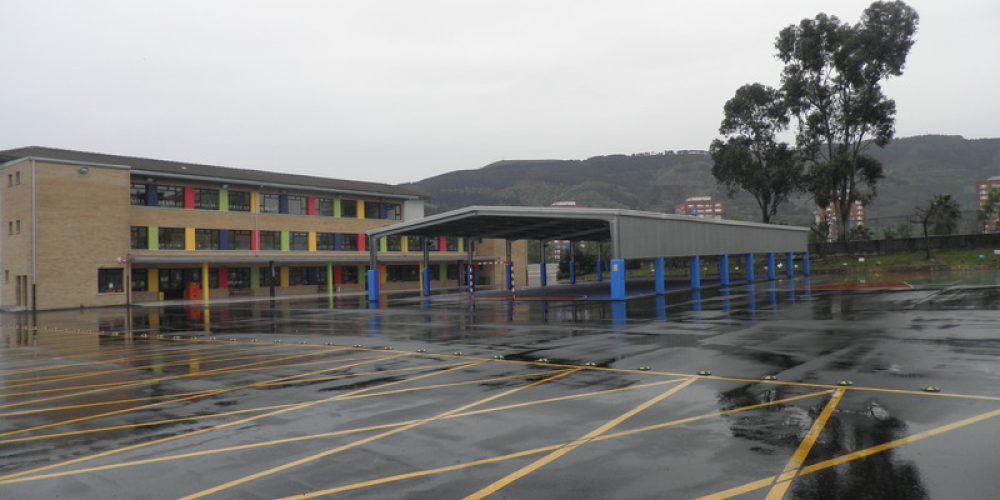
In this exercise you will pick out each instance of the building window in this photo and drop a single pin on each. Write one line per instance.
(297, 205)
(239, 277)
(394, 211)
(452, 244)
(206, 199)
(110, 280)
(170, 196)
(394, 243)
(324, 207)
(140, 238)
(17, 226)
(171, 238)
(372, 209)
(239, 240)
(349, 208)
(10, 180)
(139, 280)
(239, 201)
(267, 279)
(451, 271)
(10, 227)
(402, 273)
(270, 240)
(298, 240)
(137, 195)
(17, 178)
(270, 203)
(413, 244)
(432, 244)
(306, 276)
(206, 239)
(349, 274)
(348, 242)
(325, 242)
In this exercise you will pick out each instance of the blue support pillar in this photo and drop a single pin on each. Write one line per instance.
(599, 270)
(617, 279)
(695, 272)
(789, 265)
(572, 263)
(805, 264)
(508, 276)
(770, 267)
(748, 264)
(659, 277)
(543, 277)
(426, 281)
(372, 282)
(724, 270)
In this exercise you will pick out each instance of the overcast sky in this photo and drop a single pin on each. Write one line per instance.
(398, 91)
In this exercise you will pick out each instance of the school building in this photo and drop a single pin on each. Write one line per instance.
(88, 229)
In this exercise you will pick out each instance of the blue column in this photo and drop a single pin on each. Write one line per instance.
(659, 277)
(382, 211)
(338, 241)
(282, 203)
(805, 264)
(542, 275)
(724, 270)
(617, 279)
(372, 281)
(748, 264)
(223, 239)
(599, 269)
(426, 275)
(470, 279)
(789, 265)
(151, 199)
(572, 272)
(695, 272)
(508, 276)
(770, 267)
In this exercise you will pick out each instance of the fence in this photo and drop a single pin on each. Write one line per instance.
(901, 245)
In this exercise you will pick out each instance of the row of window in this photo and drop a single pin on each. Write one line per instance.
(159, 195)
(173, 238)
(14, 226)
(14, 179)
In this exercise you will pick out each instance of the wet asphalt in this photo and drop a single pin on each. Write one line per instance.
(802, 389)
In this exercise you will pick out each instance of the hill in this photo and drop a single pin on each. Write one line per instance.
(915, 168)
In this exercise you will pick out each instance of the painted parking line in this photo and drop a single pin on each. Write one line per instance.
(369, 439)
(544, 449)
(857, 455)
(6, 478)
(794, 465)
(556, 454)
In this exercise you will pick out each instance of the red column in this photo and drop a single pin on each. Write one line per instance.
(338, 275)
(361, 243)
(255, 239)
(442, 244)
(311, 205)
(188, 197)
(223, 277)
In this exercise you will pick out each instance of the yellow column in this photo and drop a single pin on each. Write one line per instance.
(153, 279)
(312, 241)
(189, 238)
(404, 244)
(361, 209)
(204, 282)
(254, 202)
(283, 276)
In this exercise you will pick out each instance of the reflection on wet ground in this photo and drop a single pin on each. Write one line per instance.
(777, 389)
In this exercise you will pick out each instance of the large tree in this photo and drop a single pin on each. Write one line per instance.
(833, 78)
(751, 158)
(939, 218)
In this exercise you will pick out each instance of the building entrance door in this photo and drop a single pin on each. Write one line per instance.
(173, 281)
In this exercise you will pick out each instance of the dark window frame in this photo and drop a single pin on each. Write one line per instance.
(298, 205)
(298, 241)
(266, 199)
(114, 276)
(239, 201)
(206, 199)
(207, 239)
(137, 234)
(168, 239)
(168, 196)
(270, 240)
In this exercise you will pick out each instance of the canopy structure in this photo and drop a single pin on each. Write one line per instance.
(633, 234)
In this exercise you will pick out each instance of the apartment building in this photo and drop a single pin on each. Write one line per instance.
(701, 206)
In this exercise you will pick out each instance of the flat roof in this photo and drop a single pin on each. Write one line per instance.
(633, 233)
(153, 167)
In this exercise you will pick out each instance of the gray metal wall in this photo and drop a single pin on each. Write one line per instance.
(646, 238)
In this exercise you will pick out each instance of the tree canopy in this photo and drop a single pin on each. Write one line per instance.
(751, 158)
(832, 80)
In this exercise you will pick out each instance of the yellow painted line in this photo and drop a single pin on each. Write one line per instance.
(142, 356)
(6, 478)
(454, 384)
(535, 451)
(369, 439)
(197, 395)
(853, 388)
(799, 456)
(850, 457)
(556, 454)
(207, 394)
(98, 388)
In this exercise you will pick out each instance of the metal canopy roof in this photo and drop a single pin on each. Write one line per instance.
(633, 234)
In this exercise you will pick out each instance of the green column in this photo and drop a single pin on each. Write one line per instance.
(336, 207)
(362, 277)
(461, 244)
(284, 241)
(153, 237)
(383, 244)
(254, 277)
(443, 272)
(223, 200)
(329, 278)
